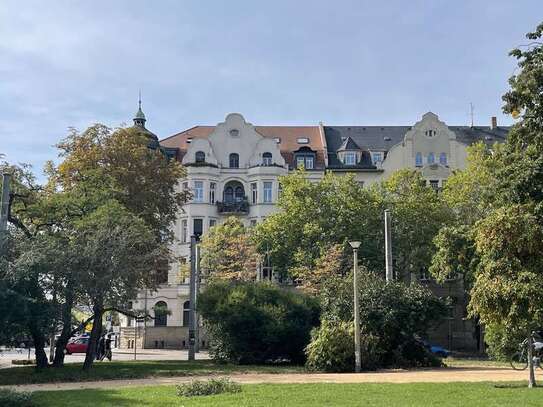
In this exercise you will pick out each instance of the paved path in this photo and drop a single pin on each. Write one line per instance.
(442, 375)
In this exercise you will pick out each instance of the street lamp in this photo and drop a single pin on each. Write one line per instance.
(358, 362)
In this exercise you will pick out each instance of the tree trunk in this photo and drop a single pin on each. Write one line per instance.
(39, 346)
(94, 336)
(530, 355)
(66, 329)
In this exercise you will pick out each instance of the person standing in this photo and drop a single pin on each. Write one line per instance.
(107, 352)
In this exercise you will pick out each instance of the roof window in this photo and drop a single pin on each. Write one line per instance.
(277, 140)
(303, 140)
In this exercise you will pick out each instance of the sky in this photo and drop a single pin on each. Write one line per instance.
(74, 63)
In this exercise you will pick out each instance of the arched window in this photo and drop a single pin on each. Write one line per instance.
(234, 160)
(267, 159)
(161, 313)
(186, 313)
(418, 160)
(443, 158)
(431, 158)
(239, 194)
(228, 194)
(200, 157)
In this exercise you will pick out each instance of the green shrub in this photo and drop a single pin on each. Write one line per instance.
(15, 398)
(207, 387)
(257, 322)
(392, 315)
(332, 348)
(502, 342)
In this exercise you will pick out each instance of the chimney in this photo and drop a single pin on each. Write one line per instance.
(493, 122)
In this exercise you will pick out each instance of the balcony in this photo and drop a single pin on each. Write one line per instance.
(240, 207)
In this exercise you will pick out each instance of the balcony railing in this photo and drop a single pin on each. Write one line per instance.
(238, 207)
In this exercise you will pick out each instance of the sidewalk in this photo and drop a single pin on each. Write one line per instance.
(441, 375)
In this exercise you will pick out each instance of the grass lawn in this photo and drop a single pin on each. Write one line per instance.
(299, 395)
(72, 372)
(474, 362)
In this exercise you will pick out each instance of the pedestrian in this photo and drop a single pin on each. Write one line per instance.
(100, 352)
(107, 352)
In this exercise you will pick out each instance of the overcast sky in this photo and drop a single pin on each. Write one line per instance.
(74, 63)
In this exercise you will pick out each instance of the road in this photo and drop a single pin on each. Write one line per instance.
(118, 354)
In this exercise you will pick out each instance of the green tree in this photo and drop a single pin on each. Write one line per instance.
(228, 252)
(257, 322)
(508, 287)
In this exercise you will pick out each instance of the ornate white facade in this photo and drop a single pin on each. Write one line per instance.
(233, 169)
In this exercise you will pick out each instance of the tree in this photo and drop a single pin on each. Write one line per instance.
(417, 215)
(257, 322)
(508, 287)
(228, 252)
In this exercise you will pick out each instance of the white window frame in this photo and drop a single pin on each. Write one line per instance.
(212, 188)
(349, 158)
(309, 162)
(254, 192)
(267, 192)
(376, 154)
(198, 192)
(184, 230)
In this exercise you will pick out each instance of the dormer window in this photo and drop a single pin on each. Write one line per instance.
(234, 160)
(377, 158)
(277, 140)
(200, 157)
(430, 133)
(349, 158)
(234, 132)
(267, 159)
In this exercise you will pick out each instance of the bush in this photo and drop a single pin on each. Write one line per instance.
(502, 342)
(207, 388)
(15, 398)
(392, 316)
(332, 348)
(257, 322)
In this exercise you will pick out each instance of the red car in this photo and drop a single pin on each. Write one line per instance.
(78, 345)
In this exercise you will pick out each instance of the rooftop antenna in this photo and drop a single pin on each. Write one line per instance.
(471, 112)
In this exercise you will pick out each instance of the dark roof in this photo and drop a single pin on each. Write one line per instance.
(348, 144)
(384, 137)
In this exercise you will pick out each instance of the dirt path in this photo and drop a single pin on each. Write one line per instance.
(467, 374)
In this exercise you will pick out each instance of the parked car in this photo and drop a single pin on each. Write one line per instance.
(77, 345)
(439, 351)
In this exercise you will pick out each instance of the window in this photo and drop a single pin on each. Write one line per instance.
(253, 222)
(212, 223)
(184, 231)
(161, 313)
(200, 157)
(198, 191)
(254, 192)
(267, 191)
(234, 132)
(198, 228)
(434, 184)
(186, 313)
(234, 160)
(267, 159)
(443, 159)
(302, 140)
(418, 160)
(377, 157)
(349, 158)
(279, 190)
(430, 133)
(431, 158)
(277, 140)
(300, 161)
(309, 162)
(212, 187)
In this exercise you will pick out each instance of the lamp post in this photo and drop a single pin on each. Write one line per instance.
(357, 357)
